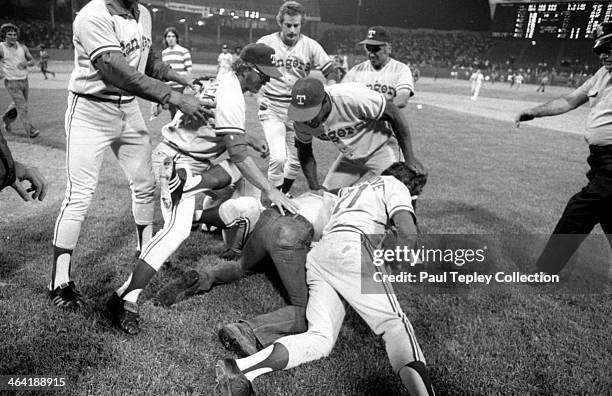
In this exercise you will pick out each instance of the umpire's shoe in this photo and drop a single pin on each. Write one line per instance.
(231, 380)
(239, 338)
(124, 314)
(66, 296)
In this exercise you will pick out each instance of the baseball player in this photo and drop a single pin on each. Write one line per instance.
(476, 79)
(113, 62)
(14, 61)
(341, 265)
(296, 56)
(380, 72)
(184, 159)
(12, 173)
(224, 61)
(355, 119)
(44, 62)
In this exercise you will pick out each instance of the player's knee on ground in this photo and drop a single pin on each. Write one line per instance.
(242, 207)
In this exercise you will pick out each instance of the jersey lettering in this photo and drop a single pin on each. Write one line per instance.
(383, 88)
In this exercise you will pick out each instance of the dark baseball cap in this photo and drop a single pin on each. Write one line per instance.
(306, 99)
(377, 35)
(261, 56)
(603, 37)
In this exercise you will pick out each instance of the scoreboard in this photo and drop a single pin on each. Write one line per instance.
(562, 20)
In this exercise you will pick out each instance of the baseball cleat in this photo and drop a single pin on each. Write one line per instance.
(34, 133)
(66, 296)
(239, 338)
(191, 283)
(231, 254)
(231, 380)
(124, 314)
(172, 182)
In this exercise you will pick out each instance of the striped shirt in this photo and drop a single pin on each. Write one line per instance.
(205, 142)
(392, 78)
(368, 207)
(95, 31)
(179, 58)
(353, 124)
(294, 63)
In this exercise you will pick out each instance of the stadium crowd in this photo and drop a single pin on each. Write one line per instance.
(36, 33)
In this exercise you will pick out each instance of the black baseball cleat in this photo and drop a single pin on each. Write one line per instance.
(191, 283)
(231, 380)
(124, 314)
(239, 338)
(66, 296)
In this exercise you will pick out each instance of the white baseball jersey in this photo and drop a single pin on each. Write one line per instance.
(206, 142)
(519, 78)
(367, 207)
(316, 209)
(225, 62)
(97, 30)
(477, 78)
(179, 58)
(353, 124)
(392, 78)
(294, 63)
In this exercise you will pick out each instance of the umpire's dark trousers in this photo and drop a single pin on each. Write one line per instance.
(592, 205)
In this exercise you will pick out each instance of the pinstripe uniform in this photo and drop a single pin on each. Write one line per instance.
(392, 78)
(294, 63)
(354, 126)
(100, 116)
(339, 265)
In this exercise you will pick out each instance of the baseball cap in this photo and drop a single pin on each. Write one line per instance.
(603, 37)
(224, 46)
(261, 56)
(377, 35)
(306, 99)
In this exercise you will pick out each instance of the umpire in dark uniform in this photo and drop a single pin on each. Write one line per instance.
(593, 204)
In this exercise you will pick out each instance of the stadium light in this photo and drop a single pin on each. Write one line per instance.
(235, 17)
(155, 9)
(201, 23)
(221, 11)
(262, 19)
(182, 20)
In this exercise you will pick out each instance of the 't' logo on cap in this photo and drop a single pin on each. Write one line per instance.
(301, 99)
(371, 33)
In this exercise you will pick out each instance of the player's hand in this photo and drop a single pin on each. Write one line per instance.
(260, 145)
(38, 183)
(191, 106)
(525, 115)
(416, 166)
(281, 201)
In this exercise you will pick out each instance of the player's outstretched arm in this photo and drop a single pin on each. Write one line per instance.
(308, 164)
(399, 125)
(557, 106)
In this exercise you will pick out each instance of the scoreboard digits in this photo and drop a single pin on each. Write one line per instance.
(563, 20)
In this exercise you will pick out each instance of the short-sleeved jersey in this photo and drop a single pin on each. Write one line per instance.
(353, 124)
(179, 58)
(368, 207)
(11, 58)
(392, 78)
(205, 142)
(599, 120)
(97, 30)
(294, 63)
(317, 209)
(225, 62)
(477, 78)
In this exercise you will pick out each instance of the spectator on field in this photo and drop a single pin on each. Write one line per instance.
(179, 58)
(44, 62)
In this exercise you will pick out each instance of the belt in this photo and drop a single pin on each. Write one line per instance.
(594, 149)
(94, 98)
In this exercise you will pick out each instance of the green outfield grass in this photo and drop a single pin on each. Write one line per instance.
(486, 177)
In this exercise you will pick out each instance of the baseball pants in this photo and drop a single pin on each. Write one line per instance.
(91, 128)
(583, 211)
(346, 172)
(280, 135)
(19, 91)
(334, 269)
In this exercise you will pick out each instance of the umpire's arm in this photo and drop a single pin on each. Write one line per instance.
(395, 117)
(557, 106)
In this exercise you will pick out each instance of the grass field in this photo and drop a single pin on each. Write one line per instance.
(486, 177)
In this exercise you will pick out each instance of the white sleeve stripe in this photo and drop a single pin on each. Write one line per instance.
(403, 86)
(105, 48)
(400, 208)
(229, 130)
(325, 66)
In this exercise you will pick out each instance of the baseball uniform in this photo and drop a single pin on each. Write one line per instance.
(477, 78)
(392, 78)
(354, 126)
(225, 60)
(294, 63)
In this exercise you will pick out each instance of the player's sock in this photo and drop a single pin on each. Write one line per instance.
(272, 358)
(137, 281)
(62, 260)
(145, 233)
(286, 186)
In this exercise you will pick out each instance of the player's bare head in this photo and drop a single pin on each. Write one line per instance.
(309, 102)
(171, 37)
(603, 43)
(415, 182)
(255, 66)
(377, 46)
(9, 31)
(291, 17)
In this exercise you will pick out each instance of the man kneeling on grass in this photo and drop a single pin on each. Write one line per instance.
(334, 269)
